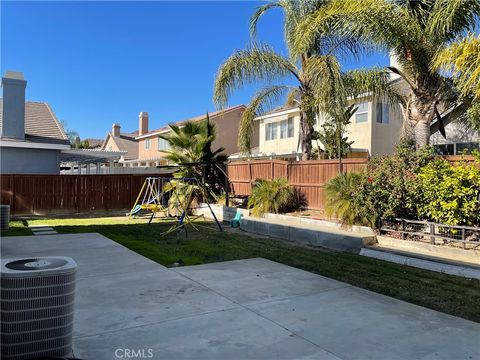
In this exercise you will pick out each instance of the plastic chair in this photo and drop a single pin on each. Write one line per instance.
(235, 222)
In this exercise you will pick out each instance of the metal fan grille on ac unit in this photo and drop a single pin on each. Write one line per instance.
(37, 305)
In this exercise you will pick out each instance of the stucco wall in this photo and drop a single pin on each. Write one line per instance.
(227, 132)
(386, 136)
(29, 161)
(110, 145)
(278, 146)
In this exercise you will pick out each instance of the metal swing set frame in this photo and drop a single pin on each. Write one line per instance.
(157, 193)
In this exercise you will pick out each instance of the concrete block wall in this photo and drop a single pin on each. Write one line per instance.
(327, 238)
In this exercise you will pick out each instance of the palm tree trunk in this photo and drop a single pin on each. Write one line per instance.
(419, 113)
(306, 132)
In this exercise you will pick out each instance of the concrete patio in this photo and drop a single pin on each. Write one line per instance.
(244, 309)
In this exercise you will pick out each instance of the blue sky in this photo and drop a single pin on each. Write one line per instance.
(97, 63)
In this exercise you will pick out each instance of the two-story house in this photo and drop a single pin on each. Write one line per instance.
(151, 147)
(374, 129)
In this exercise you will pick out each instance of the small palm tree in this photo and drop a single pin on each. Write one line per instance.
(320, 83)
(269, 196)
(191, 144)
(415, 31)
(340, 202)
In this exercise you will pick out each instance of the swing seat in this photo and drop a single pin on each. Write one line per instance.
(235, 222)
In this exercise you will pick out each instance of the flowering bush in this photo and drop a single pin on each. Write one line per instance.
(408, 184)
(450, 194)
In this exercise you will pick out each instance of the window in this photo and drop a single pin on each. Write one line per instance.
(361, 115)
(283, 129)
(147, 144)
(271, 131)
(291, 127)
(467, 147)
(383, 113)
(445, 149)
(162, 144)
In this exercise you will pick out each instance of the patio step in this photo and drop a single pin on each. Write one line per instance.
(42, 230)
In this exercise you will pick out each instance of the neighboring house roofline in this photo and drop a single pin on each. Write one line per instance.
(213, 115)
(5, 142)
(59, 126)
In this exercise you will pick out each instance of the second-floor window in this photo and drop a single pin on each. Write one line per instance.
(286, 128)
(361, 115)
(383, 113)
(147, 144)
(162, 144)
(271, 131)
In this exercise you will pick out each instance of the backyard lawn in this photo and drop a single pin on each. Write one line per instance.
(450, 294)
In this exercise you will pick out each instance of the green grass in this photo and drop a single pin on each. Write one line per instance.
(17, 228)
(449, 294)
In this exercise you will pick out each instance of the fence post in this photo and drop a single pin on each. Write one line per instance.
(463, 238)
(432, 231)
(227, 187)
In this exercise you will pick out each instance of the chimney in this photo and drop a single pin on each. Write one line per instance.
(142, 123)
(13, 111)
(116, 130)
(394, 62)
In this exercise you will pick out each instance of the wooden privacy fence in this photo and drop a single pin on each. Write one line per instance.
(50, 194)
(309, 176)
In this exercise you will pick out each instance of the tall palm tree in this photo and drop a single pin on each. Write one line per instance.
(415, 31)
(320, 83)
(462, 59)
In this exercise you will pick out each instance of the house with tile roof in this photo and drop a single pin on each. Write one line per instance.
(118, 141)
(151, 148)
(31, 137)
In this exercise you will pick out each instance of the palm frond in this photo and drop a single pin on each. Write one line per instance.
(449, 17)
(261, 102)
(374, 82)
(257, 63)
(259, 12)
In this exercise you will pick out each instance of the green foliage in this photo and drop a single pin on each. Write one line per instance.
(269, 196)
(332, 135)
(450, 194)
(192, 143)
(319, 83)
(386, 189)
(341, 201)
(416, 32)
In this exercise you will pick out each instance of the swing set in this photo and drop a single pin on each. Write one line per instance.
(173, 197)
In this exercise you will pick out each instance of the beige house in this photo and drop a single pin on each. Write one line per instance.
(117, 141)
(151, 147)
(374, 129)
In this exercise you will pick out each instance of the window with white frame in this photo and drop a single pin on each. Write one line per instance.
(147, 144)
(361, 115)
(162, 144)
(383, 113)
(283, 129)
(291, 127)
(271, 131)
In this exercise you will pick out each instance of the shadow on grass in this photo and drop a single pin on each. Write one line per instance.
(450, 294)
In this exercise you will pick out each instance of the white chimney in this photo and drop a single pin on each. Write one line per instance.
(393, 57)
(116, 130)
(13, 112)
(143, 123)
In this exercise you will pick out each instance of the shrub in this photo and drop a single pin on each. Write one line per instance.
(450, 194)
(385, 190)
(269, 196)
(341, 200)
